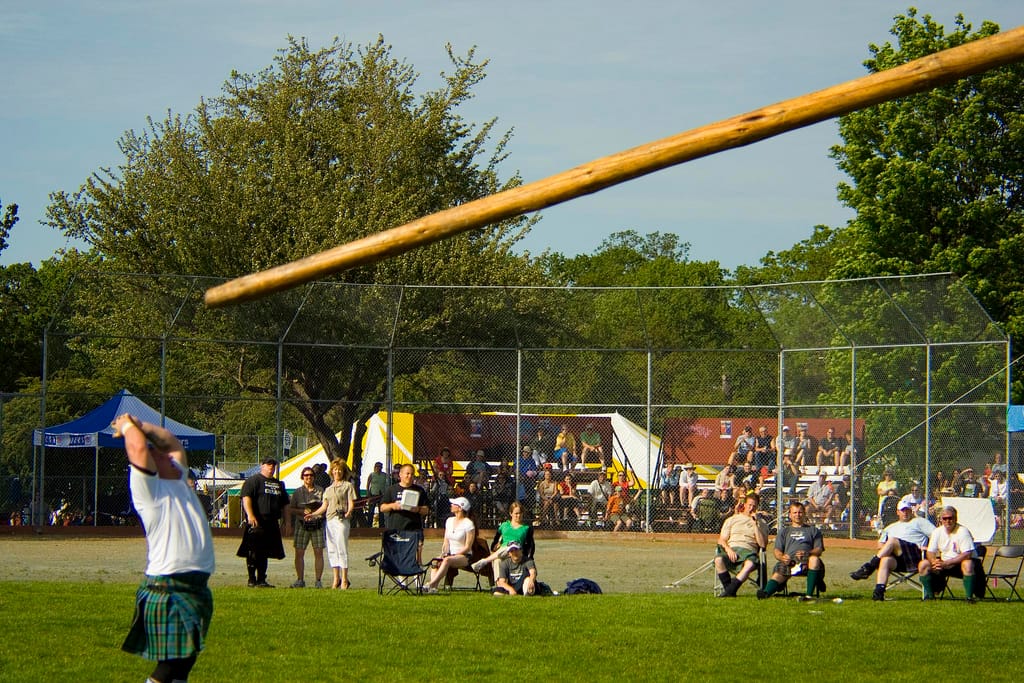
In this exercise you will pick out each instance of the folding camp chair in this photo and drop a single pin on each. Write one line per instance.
(480, 549)
(943, 587)
(397, 561)
(1010, 554)
(897, 578)
(758, 577)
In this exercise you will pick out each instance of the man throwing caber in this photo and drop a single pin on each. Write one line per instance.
(742, 536)
(173, 605)
(798, 549)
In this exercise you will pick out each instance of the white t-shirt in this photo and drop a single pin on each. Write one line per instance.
(456, 532)
(947, 546)
(178, 534)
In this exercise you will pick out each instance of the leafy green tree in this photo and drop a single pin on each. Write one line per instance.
(7, 220)
(321, 148)
(937, 179)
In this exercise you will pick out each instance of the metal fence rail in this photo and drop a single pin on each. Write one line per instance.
(911, 367)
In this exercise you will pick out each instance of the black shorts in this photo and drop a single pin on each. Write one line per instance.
(909, 557)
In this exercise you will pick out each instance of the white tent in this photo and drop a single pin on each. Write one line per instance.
(291, 469)
(216, 478)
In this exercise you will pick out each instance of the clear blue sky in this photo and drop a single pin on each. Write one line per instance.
(576, 79)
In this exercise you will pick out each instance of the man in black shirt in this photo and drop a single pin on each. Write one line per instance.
(404, 513)
(264, 498)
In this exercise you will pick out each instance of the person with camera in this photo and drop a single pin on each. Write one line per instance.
(338, 505)
(798, 549)
(304, 499)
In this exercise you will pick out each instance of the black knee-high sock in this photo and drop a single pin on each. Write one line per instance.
(725, 578)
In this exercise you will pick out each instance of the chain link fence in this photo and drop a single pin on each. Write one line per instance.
(909, 373)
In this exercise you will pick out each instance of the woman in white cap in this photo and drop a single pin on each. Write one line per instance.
(459, 536)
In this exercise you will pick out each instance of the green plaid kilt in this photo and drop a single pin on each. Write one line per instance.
(172, 616)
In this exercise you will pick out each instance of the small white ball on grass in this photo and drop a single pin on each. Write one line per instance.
(838, 601)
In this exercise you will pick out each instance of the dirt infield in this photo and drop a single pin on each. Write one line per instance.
(620, 563)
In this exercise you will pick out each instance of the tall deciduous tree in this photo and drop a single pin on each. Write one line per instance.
(937, 179)
(323, 147)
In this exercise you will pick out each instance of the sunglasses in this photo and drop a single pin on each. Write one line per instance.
(947, 519)
(308, 474)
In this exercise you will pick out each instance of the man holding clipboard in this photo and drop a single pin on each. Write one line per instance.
(404, 505)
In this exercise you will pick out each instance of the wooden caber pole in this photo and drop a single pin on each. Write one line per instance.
(913, 77)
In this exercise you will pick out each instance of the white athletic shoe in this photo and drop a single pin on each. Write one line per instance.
(479, 565)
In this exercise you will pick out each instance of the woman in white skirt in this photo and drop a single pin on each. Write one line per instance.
(337, 507)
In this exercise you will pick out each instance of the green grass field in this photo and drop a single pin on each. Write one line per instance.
(73, 631)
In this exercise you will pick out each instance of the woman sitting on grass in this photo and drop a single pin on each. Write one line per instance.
(508, 531)
(459, 536)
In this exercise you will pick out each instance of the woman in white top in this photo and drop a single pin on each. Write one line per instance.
(337, 507)
(459, 535)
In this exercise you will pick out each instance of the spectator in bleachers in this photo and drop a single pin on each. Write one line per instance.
(724, 482)
(590, 442)
(972, 486)
(787, 444)
(819, 499)
(886, 487)
(543, 447)
(526, 478)
(600, 491)
(764, 453)
(622, 479)
(950, 552)
(804, 448)
(478, 471)
(790, 476)
(748, 479)
(850, 450)
(565, 448)
(615, 509)
(688, 481)
(999, 491)
(439, 491)
(503, 492)
(444, 466)
(745, 444)
(841, 497)
(913, 498)
(998, 465)
(547, 490)
(798, 549)
(669, 484)
(829, 449)
(475, 497)
(568, 500)
(900, 547)
(741, 538)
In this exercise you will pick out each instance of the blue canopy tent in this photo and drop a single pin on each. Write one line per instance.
(93, 430)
